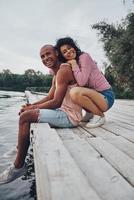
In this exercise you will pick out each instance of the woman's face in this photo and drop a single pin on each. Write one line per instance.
(68, 52)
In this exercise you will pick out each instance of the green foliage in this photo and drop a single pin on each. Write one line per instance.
(38, 89)
(118, 41)
(17, 82)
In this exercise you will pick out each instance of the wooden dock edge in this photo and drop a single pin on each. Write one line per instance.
(57, 175)
(75, 164)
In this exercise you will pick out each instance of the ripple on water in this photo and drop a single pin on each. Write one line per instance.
(24, 187)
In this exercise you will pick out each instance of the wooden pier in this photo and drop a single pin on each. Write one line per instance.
(86, 164)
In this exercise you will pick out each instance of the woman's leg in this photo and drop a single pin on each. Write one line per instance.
(26, 118)
(89, 99)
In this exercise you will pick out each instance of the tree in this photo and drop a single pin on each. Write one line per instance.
(6, 78)
(118, 41)
(124, 1)
(31, 79)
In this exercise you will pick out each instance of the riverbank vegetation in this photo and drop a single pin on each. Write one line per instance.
(118, 43)
(32, 80)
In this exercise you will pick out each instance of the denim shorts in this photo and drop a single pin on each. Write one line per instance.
(109, 96)
(55, 118)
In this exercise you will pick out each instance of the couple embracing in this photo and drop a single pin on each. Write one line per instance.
(77, 84)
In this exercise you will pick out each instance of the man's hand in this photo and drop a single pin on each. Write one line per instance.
(27, 107)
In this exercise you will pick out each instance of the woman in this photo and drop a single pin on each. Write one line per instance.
(94, 93)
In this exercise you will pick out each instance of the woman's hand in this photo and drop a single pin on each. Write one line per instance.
(72, 63)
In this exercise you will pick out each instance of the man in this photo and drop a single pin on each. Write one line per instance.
(57, 109)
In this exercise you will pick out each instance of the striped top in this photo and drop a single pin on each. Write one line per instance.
(87, 74)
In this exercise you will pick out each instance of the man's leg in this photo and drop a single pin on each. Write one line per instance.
(26, 118)
(56, 118)
(18, 168)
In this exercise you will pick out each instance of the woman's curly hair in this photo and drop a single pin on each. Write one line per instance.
(69, 41)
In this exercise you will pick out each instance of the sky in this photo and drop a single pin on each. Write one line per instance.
(27, 25)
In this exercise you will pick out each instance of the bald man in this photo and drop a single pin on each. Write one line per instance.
(56, 108)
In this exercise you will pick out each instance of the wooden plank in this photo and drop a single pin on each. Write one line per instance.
(124, 102)
(118, 141)
(81, 132)
(78, 143)
(107, 182)
(123, 110)
(120, 161)
(30, 97)
(126, 126)
(130, 119)
(99, 132)
(71, 166)
(117, 118)
(58, 176)
(118, 130)
(122, 144)
(124, 114)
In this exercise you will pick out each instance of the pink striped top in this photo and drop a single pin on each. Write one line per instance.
(88, 74)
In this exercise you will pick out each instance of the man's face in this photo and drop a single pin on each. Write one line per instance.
(48, 56)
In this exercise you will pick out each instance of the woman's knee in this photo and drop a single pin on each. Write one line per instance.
(75, 94)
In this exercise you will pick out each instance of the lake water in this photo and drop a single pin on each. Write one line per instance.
(24, 187)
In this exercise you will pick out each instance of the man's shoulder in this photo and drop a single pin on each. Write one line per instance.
(64, 69)
(65, 73)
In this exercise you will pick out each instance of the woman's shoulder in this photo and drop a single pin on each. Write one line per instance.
(85, 55)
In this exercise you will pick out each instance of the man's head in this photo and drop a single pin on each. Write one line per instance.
(49, 56)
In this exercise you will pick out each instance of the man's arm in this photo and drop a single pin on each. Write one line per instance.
(49, 96)
(63, 77)
(45, 99)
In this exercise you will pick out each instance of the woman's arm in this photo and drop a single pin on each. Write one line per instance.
(82, 72)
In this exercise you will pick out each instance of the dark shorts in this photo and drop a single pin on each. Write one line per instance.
(109, 96)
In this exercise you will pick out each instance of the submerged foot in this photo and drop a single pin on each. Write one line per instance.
(11, 173)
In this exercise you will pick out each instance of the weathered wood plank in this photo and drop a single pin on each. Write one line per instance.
(118, 130)
(126, 126)
(122, 111)
(81, 165)
(99, 132)
(123, 117)
(119, 121)
(30, 97)
(107, 182)
(61, 177)
(118, 118)
(119, 142)
(120, 161)
(124, 102)
(81, 132)
(122, 144)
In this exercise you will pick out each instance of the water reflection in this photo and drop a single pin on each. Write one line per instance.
(24, 187)
(5, 96)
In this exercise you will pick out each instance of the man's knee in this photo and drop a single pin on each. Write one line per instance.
(25, 116)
